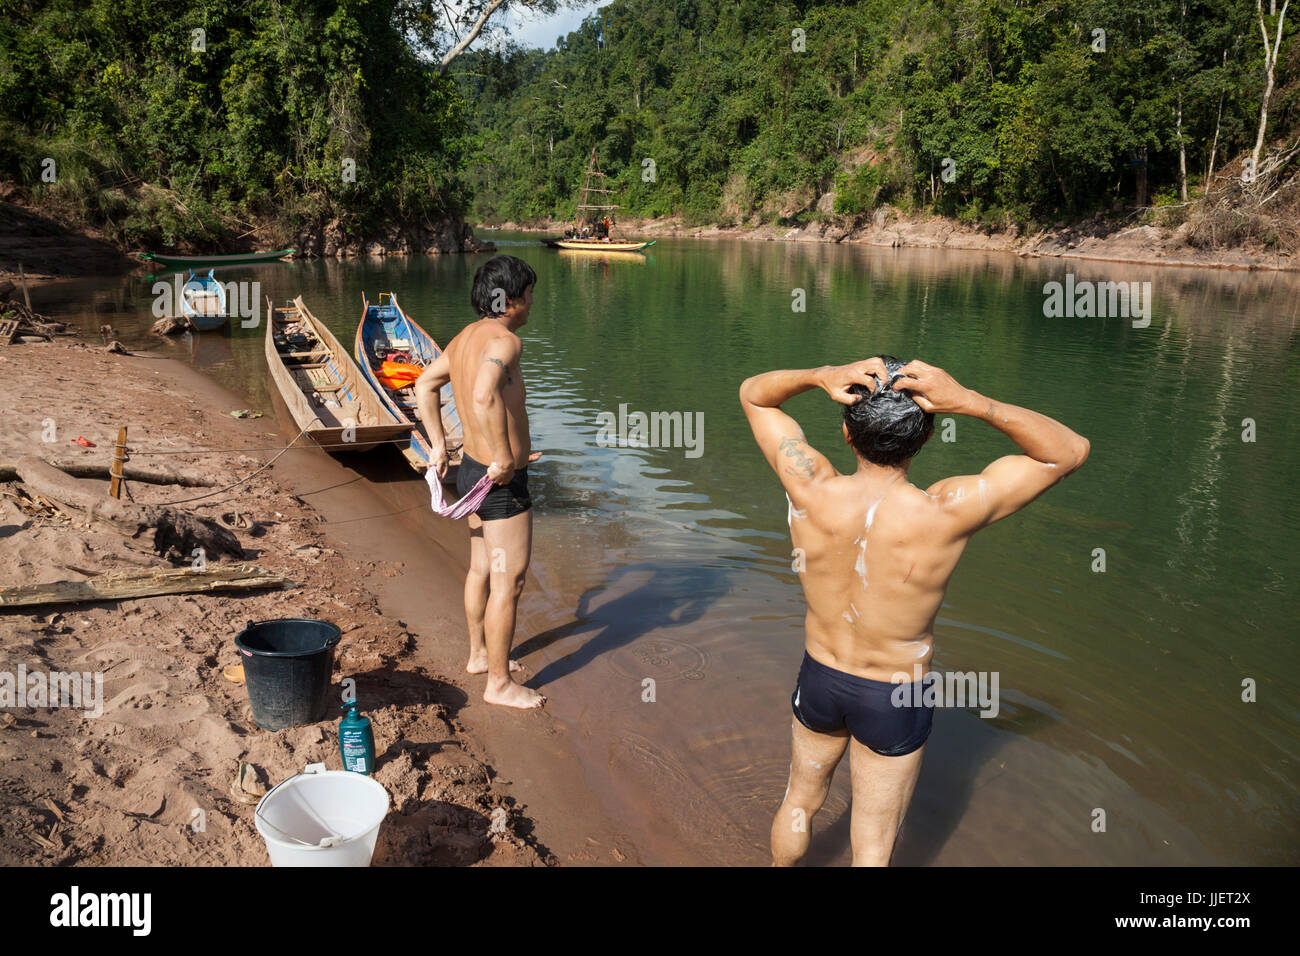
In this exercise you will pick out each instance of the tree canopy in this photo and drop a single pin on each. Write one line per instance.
(993, 110)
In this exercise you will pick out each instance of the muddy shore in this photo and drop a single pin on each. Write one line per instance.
(150, 781)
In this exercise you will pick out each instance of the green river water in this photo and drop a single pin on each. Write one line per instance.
(1121, 690)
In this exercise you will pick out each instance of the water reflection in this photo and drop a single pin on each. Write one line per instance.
(1121, 689)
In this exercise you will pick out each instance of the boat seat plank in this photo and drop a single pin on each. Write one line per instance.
(314, 354)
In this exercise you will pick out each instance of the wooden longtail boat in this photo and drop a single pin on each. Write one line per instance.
(203, 302)
(326, 393)
(588, 216)
(601, 245)
(386, 333)
(238, 259)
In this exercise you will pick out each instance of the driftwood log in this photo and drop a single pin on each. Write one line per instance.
(172, 530)
(172, 325)
(149, 474)
(29, 323)
(136, 584)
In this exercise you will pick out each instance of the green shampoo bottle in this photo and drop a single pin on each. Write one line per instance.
(356, 740)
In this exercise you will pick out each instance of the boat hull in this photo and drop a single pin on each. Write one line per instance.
(324, 390)
(203, 302)
(186, 262)
(208, 323)
(598, 245)
(385, 327)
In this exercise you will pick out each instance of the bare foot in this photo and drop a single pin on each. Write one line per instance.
(514, 695)
(478, 663)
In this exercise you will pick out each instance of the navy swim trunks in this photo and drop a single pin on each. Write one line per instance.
(503, 501)
(826, 700)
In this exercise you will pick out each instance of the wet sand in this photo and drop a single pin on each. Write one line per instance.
(127, 788)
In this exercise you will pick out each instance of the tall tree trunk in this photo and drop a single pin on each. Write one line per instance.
(1182, 152)
(1270, 63)
(1218, 125)
(1141, 175)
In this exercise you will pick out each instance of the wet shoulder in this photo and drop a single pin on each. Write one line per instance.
(492, 333)
(841, 500)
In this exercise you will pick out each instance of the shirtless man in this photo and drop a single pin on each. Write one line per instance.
(482, 364)
(877, 553)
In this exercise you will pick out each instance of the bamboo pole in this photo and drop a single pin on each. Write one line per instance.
(119, 462)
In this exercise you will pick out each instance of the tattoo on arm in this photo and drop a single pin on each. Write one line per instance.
(505, 368)
(800, 464)
(990, 412)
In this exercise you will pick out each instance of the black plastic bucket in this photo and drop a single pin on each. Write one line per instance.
(287, 667)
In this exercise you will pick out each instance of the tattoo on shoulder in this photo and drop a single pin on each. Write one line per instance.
(800, 464)
(504, 367)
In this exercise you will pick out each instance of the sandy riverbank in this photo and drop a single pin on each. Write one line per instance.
(1096, 241)
(128, 786)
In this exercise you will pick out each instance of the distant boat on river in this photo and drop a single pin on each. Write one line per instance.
(591, 223)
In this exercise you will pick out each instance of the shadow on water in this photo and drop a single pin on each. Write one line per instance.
(671, 596)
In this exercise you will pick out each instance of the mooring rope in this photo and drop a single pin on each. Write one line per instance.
(251, 474)
(279, 450)
(219, 451)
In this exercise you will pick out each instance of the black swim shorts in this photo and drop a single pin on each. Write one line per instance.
(826, 700)
(503, 501)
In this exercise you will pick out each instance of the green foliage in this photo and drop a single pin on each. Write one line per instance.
(1036, 122)
(858, 192)
(162, 143)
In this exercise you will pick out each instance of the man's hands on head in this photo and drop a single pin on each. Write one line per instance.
(935, 390)
(932, 388)
(836, 379)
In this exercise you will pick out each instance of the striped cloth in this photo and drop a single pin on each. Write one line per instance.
(463, 508)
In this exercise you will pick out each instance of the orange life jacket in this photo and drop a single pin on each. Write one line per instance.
(398, 374)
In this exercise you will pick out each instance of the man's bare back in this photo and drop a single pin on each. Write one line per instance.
(875, 554)
(876, 563)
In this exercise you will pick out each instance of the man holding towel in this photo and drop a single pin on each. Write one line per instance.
(482, 364)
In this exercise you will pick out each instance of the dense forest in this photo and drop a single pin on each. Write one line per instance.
(210, 121)
(994, 111)
(196, 121)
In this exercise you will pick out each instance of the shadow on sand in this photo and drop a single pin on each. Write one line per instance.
(612, 615)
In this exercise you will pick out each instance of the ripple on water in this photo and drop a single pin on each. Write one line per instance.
(662, 658)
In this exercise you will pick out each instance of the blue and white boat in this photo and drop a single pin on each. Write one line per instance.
(388, 335)
(203, 302)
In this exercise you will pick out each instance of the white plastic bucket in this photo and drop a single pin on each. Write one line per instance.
(322, 818)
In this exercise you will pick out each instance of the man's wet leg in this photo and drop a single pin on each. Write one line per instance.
(813, 760)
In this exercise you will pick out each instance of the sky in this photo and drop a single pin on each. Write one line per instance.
(531, 31)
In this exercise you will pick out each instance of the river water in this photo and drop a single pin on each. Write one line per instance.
(1122, 735)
